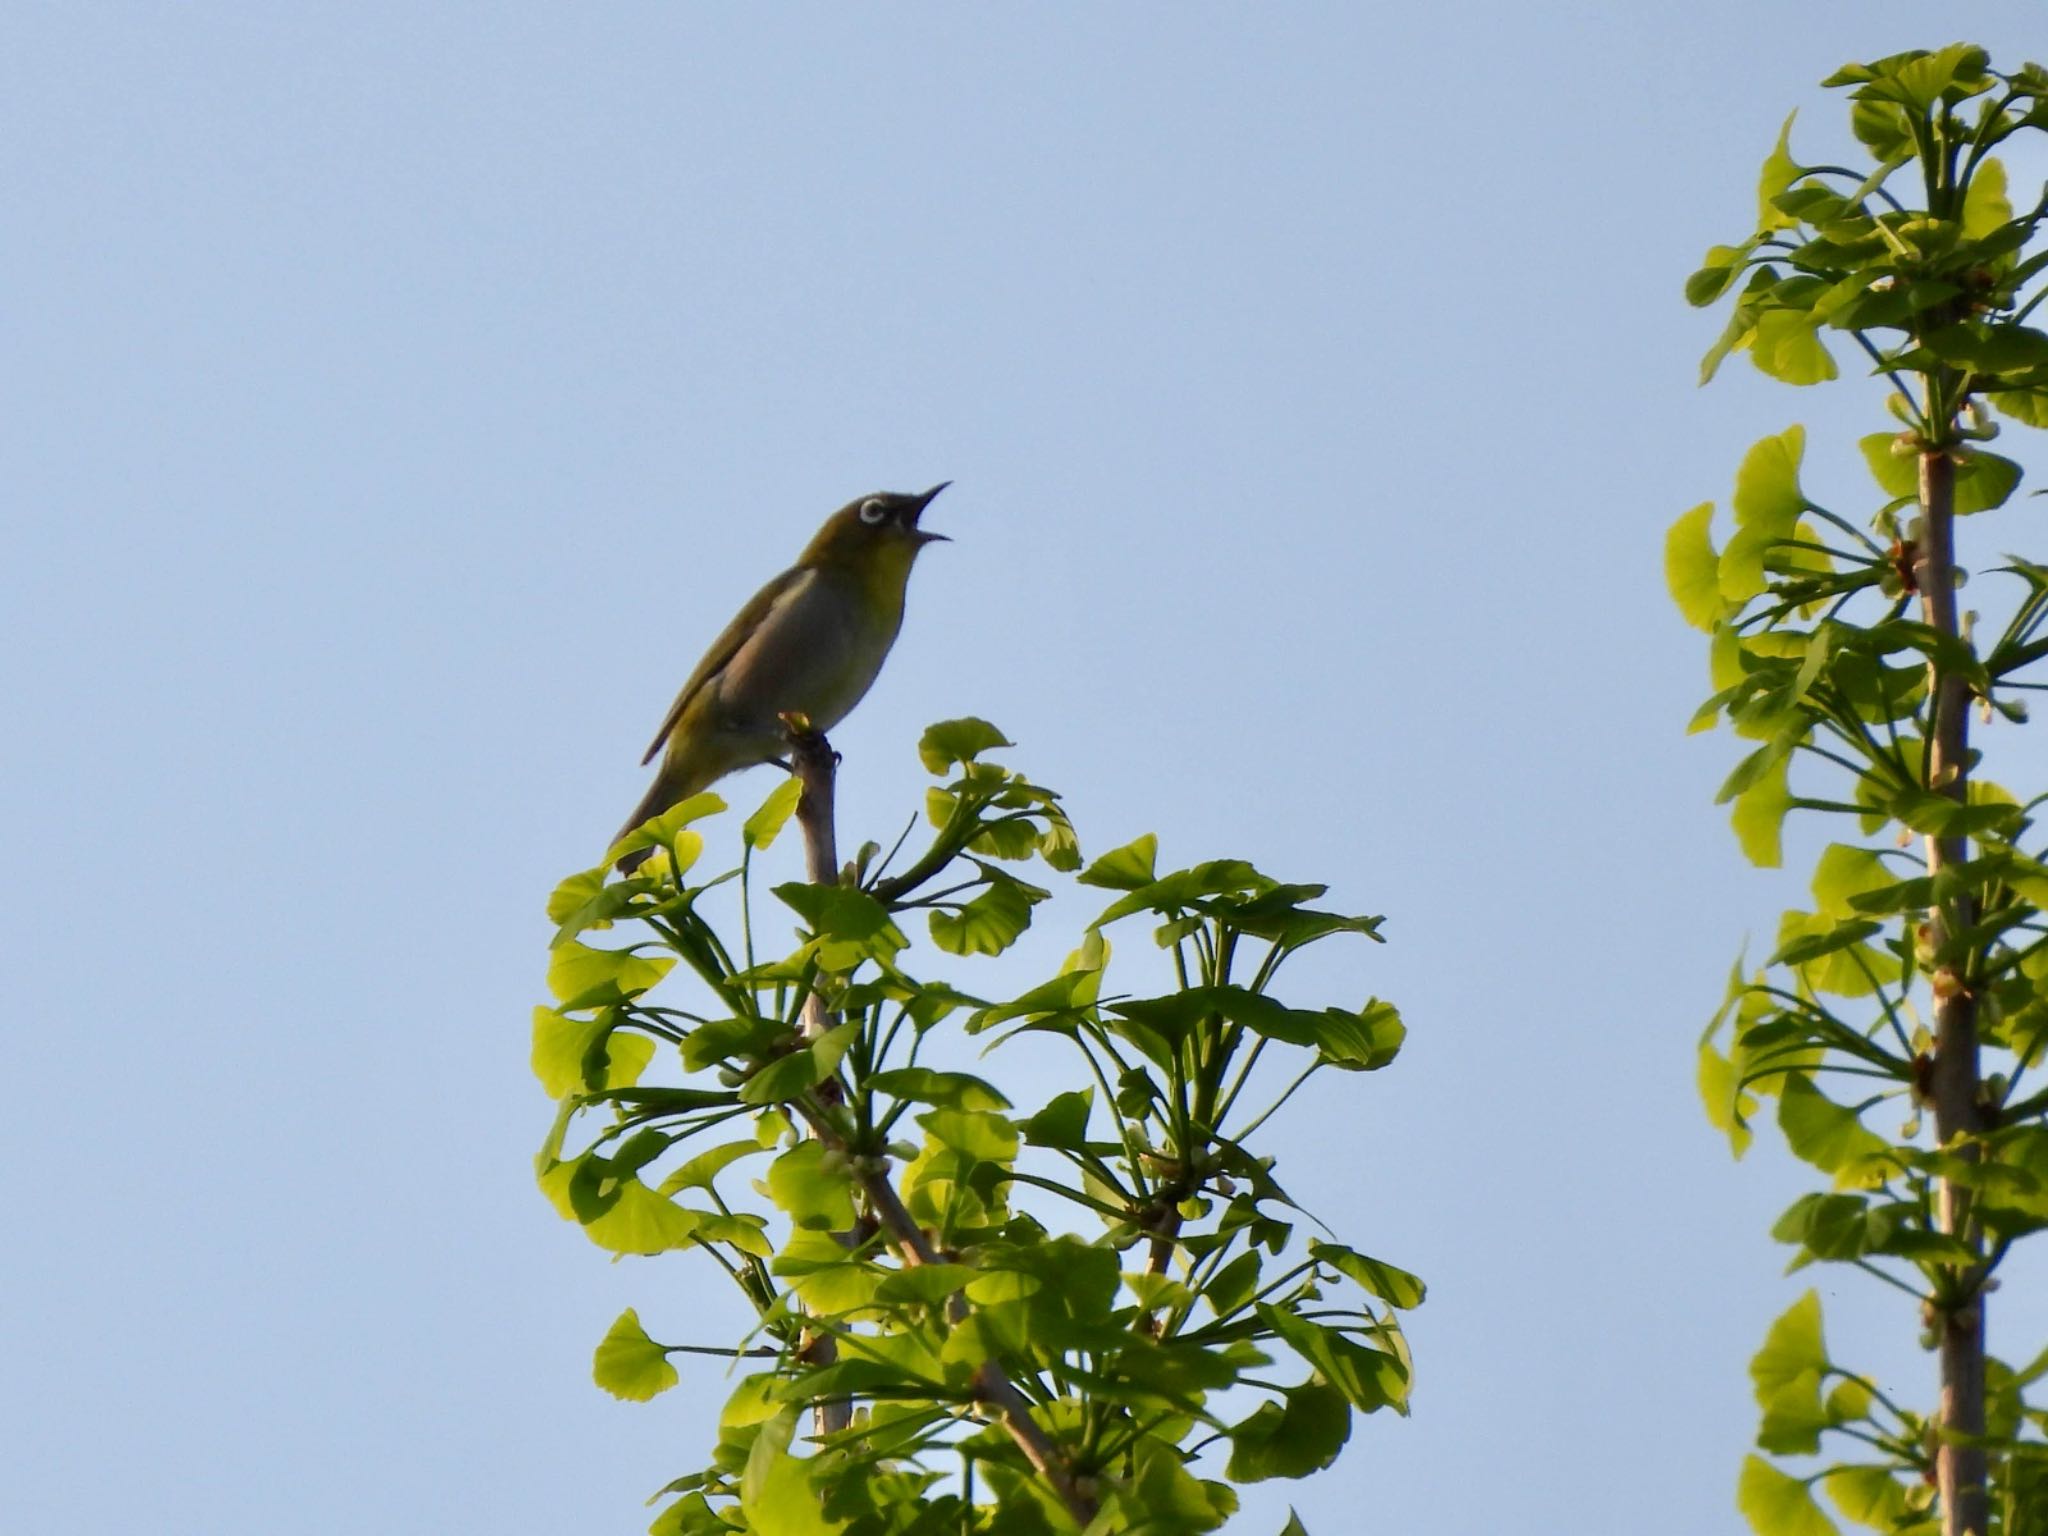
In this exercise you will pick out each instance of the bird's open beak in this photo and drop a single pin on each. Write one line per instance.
(923, 535)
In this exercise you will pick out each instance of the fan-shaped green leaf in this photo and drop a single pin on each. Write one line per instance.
(958, 741)
(1692, 567)
(1300, 1434)
(1396, 1287)
(1777, 1504)
(773, 813)
(629, 1364)
(575, 969)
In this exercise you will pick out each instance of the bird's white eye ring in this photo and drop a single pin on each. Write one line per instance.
(872, 511)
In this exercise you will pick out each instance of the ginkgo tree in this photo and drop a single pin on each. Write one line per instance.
(1897, 1027)
(966, 1314)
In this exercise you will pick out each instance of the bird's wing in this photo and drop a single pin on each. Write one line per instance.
(748, 620)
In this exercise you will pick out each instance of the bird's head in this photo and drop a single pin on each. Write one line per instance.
(875, 532)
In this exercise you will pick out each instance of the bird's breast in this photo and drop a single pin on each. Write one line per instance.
(817, 652)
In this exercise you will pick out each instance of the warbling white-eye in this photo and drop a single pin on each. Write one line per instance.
(809, 643)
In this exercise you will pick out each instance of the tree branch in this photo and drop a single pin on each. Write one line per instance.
(814, 762)
(991, 1382)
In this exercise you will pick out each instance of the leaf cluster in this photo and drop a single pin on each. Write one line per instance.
(1937, 279)
(1045, 1315)
(1828, 663)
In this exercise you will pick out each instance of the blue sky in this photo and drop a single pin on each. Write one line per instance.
(397, 398)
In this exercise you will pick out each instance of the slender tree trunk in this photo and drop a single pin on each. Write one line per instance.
(1952, 1081)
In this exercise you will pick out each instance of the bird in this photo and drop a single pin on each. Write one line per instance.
(811, 642)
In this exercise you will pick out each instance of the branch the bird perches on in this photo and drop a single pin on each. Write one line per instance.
(815, 765)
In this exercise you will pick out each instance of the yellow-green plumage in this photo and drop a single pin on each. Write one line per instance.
(810, 642)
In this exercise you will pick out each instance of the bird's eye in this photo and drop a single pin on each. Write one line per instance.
(873, 511)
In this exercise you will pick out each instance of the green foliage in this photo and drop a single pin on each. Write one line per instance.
(1837, 671)
(1089, 1311)
(631, 1365)
(1776, 1504)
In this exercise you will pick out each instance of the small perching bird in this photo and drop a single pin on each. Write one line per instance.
(809, 643)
